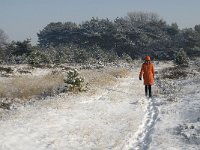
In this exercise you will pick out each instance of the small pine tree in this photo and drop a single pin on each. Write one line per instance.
(74, 81)
(181, 58)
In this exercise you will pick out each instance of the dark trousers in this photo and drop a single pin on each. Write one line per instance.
(148, 90)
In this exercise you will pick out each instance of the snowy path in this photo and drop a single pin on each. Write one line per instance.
(115, 118)
(142, 138)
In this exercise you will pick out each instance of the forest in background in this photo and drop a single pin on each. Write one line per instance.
(103, 40)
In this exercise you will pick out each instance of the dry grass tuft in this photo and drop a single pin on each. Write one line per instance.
(103, 77)
(25, 86)
(119, 73)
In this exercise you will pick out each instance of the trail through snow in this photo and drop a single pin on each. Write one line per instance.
(142, 138)
(115, 118)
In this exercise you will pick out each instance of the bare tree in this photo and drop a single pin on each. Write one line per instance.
(3, 43)
(3, 39)
(138, 18)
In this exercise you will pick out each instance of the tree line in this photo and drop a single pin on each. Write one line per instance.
(129, 37)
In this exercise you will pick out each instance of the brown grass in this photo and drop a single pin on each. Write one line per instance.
(25, 86)
(119, 73)
(103, 77)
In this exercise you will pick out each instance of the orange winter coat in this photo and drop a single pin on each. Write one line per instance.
(147, 71)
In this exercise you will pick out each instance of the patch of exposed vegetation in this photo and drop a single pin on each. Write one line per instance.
(35, 83)
(189, 132)
(25, 87)
(174, 73)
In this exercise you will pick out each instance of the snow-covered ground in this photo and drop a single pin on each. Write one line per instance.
(104, 121)
(118, 117)
(178, 125)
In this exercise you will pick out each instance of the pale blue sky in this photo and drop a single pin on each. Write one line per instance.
(21, 19)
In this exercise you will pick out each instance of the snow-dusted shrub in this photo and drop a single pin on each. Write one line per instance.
(174, 73)
(16, 59)
(36, 57)
(6, 69)
(181, 58)
(5, 105)
(80, 55)
(126, 57)
(73, 80)
(166, 82)
(190, 132)
(112, 57)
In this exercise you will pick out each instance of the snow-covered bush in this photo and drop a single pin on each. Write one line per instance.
(181, 58)
(6, 69)
(36, 57)
(189, 132)
(80, 55)
(74, 82)
(126, 57)
(174, 73)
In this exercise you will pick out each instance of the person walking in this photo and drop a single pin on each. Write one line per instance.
(147, 72)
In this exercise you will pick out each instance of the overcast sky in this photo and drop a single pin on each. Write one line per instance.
(22, 19)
